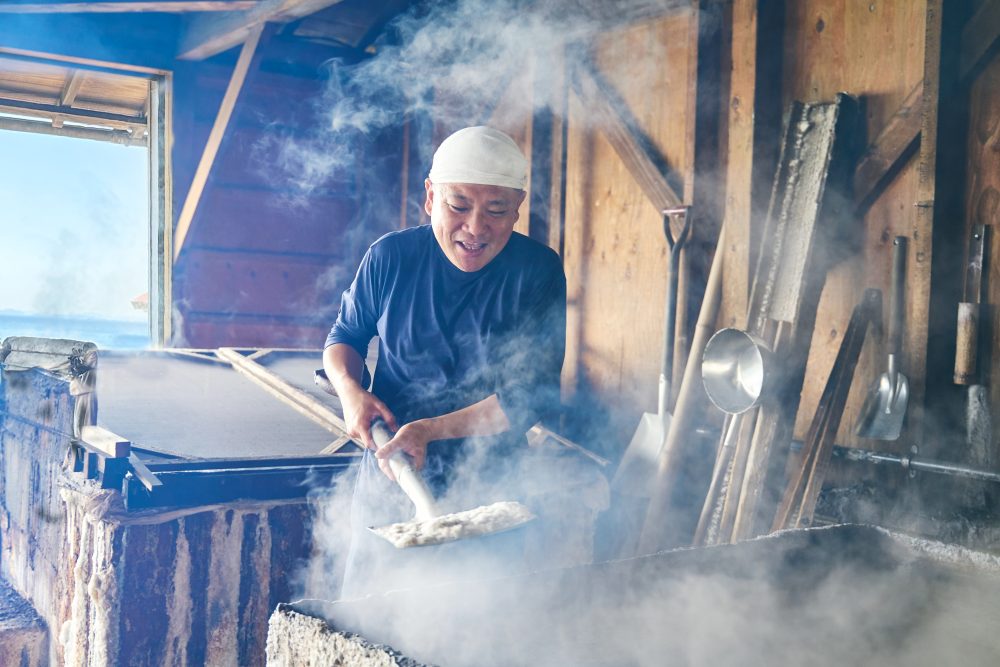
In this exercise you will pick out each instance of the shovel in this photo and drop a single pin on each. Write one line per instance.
(429, 526)
(636, 471)
(884, 409)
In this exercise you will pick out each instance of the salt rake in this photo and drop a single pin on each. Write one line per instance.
(429, 526)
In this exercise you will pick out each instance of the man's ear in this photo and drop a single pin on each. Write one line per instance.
(429, 201)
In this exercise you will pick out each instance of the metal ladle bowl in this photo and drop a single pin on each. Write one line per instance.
(735, 370)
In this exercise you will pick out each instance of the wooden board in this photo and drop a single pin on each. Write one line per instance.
(615, 250)
(238, 283)
(983, 203)
(874, 50)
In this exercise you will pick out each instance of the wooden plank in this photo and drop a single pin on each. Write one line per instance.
(124, 6)
(263, 283)
(211, 35)
(614, 246)
(211, 149)
(115, 120)
(979, 36)
(104, 440)
(292, 396)
(40, 127)
(739, 163)
(624, 136)
(916, 313)
(145, 476)
(893, 145)
(875, 51)
(68, 94)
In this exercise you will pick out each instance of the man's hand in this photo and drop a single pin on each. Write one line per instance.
(361, 408)
(412, 439)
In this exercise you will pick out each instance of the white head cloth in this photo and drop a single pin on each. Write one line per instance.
(480, 155)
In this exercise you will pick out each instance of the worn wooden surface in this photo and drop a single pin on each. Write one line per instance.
(615, 250)
(983, 207)
(875, 51)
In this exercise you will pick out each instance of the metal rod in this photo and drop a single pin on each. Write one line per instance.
(911, 463)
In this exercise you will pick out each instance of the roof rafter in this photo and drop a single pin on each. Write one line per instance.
(211, 35)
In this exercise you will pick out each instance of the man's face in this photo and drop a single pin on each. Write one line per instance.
(472, 223)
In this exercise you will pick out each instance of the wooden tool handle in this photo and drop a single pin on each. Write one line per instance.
(896, 295)
(408, 479)
(966, 343)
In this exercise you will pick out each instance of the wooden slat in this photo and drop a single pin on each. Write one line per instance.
(891, 147)
(115, 446)
(117, 121)
(211, 149)
(72, 87)
(39, 127)
(124, 6)
(979, 36)
(916, 308)
(621, 132)
(210, 35)
(292, 396)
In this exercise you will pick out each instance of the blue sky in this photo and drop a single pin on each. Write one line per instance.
(73, 224)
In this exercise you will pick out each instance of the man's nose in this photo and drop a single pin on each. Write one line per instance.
(477, 222)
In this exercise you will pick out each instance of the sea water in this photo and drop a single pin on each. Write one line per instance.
(106, 334)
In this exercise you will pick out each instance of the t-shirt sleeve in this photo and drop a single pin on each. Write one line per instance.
(357, 320)
(531, 363)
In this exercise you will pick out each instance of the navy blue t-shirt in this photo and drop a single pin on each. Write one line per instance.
(450, 338)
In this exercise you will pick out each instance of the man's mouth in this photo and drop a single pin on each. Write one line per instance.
(471, 248)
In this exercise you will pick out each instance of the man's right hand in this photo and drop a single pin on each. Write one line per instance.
(344, 367)
(361, 408)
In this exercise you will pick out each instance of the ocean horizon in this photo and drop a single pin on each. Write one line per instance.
(107, 334)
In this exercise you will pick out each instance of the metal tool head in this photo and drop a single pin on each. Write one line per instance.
(885, 408)
(736, 370)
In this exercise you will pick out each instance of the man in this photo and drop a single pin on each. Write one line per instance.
(471, 316)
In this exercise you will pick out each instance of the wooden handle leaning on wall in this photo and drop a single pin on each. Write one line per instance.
(690, 397)
(966, 342)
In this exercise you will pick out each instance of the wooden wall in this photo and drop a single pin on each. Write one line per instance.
(615, 251)
(265, 261)
(875, 51)
(982, 205)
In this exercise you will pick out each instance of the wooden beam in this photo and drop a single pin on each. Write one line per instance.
(125, 6)
(72, 87)
(889, 150)
(302, 402)
(612, 116)
(115, 120)
(41, 127)
(104, 440)
(208, 155)
(211, 35)
(979, 36)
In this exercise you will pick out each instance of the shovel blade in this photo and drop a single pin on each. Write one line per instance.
(884, 409)
(635, 473)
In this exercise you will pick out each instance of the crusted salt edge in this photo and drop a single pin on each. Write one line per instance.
(946, 553)
(483, 520)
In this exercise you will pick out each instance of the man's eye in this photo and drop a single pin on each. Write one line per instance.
(498, 214)
(458, 209)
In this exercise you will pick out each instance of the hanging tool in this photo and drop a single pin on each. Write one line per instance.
(428, 526)
(885, 408)
(972, 350)
(635, 473)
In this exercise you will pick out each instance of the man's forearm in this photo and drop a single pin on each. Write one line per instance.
(344, 367)
(483, 418)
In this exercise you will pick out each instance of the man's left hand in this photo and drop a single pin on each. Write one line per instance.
(412, 439)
